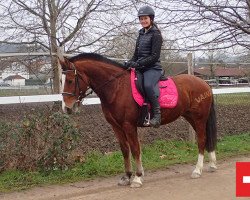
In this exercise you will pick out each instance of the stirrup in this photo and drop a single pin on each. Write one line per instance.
(147, 120)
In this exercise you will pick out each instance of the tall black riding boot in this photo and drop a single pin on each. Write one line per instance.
(155, 106)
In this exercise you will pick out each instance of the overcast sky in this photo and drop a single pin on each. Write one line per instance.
(167, 13)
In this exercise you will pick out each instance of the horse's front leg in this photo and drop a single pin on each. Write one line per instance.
(137, 181)
(124, 145)
(133, 140)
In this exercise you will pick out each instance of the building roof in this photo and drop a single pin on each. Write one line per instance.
(230, 72)
(13, 77)
(203, 71)
(198, 72)
(220, 71)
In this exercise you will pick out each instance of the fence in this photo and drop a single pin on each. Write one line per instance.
(91, 101)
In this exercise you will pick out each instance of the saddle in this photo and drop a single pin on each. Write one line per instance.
(168, 95)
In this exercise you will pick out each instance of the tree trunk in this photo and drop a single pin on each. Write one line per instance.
(53, 42)
(56, 76)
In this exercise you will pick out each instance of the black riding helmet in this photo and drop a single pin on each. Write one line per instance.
(146, 11)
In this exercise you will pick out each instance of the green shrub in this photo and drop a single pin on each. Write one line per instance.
(40, 141)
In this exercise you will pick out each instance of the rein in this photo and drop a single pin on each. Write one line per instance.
(77, 76)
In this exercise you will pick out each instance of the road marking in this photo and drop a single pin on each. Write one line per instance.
(246, 179)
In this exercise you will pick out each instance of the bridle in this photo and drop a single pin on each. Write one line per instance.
(77, 86)
(82, 95)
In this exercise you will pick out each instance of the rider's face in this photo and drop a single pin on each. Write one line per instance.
(145, 21)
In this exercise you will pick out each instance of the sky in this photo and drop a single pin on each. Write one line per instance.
(164, 17)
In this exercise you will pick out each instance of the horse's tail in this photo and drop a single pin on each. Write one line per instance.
(211, 129)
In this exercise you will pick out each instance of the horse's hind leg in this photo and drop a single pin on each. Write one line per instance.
(204, 138)
(200, 129)
(201, 138)
(212, 161)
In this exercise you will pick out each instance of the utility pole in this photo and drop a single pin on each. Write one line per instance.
(60, 52)
(191, 131)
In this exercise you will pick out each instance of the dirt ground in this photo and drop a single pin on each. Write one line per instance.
(173, 183)
(97, 134)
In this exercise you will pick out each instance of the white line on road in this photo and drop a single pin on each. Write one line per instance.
(246, 179)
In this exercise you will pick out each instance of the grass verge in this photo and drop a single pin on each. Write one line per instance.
(232, 99)
(158, 155)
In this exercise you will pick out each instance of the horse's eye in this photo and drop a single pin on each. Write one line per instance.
(70, 81)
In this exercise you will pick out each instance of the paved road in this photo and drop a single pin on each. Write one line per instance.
(173, 183)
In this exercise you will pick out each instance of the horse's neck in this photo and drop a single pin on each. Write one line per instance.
(101, 73)
(102, 78)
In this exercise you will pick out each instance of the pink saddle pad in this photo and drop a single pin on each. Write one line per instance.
(168, 92)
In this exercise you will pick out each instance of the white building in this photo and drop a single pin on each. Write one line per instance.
(15, 80)
(15, 69)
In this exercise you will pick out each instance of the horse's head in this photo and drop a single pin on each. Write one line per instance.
(74, 84)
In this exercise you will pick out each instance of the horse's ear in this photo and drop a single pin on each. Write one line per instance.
(61, 58)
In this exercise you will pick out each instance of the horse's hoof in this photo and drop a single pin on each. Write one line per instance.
(212, 168)
(195, 175)
(124, 181)
(137, 182)
(135, 185)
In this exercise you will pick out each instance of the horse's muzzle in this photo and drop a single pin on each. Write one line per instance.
(69, 110)
(73, 109)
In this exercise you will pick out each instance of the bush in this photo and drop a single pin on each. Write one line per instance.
(40, 141)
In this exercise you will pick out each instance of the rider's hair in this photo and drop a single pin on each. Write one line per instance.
(154, 24)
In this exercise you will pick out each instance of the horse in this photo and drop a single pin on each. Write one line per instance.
(111, 82)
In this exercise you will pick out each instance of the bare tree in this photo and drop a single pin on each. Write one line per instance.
(77, 25)
(197, 23)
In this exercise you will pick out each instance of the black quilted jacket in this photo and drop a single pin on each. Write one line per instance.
(148, 48)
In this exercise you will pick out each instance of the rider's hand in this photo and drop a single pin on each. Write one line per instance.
(133, 64)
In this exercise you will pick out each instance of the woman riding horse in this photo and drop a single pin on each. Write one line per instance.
(146, 60)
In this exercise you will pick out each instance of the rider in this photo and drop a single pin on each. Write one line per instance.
(146, 59)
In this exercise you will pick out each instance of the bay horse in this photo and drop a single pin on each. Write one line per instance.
(111, 82)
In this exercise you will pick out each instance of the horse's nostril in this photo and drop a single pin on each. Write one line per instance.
(69, 111)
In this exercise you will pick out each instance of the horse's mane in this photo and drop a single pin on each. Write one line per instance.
(97, 57)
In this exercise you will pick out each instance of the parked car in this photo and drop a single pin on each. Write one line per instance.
(3, 84)
(243, 80)
(212, 82)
